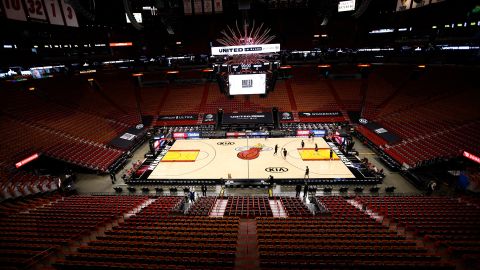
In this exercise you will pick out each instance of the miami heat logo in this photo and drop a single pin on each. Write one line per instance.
(251, 152)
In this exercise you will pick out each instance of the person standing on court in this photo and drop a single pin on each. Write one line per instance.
(276, 150)
(204, 190)
(316, 147)
(307, 173)
(305, 190)
(298, 189)
(331, 154)
(285, 153)
(270, 180)
(302, 144)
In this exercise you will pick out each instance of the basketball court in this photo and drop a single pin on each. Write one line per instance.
(249, 159)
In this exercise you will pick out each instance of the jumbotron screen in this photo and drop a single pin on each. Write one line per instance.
(247, 84)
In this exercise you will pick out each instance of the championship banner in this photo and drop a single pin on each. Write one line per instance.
(403, 5)
(69, 12)
(319, 114)
(218, 6)
(207, 6)
(346, 5)
(36, 10)
(246, 49)
(197, 6)
(177, 117)
(247, 118)
(14, 10)
(187, 7)
(420, 3)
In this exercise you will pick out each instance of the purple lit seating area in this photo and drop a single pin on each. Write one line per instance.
(35, 233)
(156, 239)
(450, 223)
(348, 239)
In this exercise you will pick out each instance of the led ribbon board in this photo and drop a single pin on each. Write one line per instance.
(246, 49)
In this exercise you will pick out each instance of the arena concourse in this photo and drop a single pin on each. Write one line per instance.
(245, 134)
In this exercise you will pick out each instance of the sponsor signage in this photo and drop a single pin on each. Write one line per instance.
(286, 116)
(209, 118)
(380, 131)
(226, 143)
(27, 160)
(121, 44)
(471, 156)
(193, 134)
(177, 117)
(236, 134)
(340, 155)
(184, 135)
(319, 114)
(128, 136)
(246, 49)
(180, 135)
(363, 121)
(276, 170)
(247, 118)
(257, 133)
(346, 5)
(316, 132)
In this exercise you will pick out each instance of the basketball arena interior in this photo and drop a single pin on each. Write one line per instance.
(240, 134)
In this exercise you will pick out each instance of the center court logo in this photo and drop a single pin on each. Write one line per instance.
(276, 169)
(225, 143)
(251, 152)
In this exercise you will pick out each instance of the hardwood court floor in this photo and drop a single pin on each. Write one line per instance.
(217, 158)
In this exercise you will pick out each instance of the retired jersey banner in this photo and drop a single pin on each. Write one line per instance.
(14, 10)
(69, 12)
(35, 10)
(187, 7)
(54, 12)
(197, 6)
(207, 6)
(218, 6)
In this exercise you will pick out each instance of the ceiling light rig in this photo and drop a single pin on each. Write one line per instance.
(246, 34)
